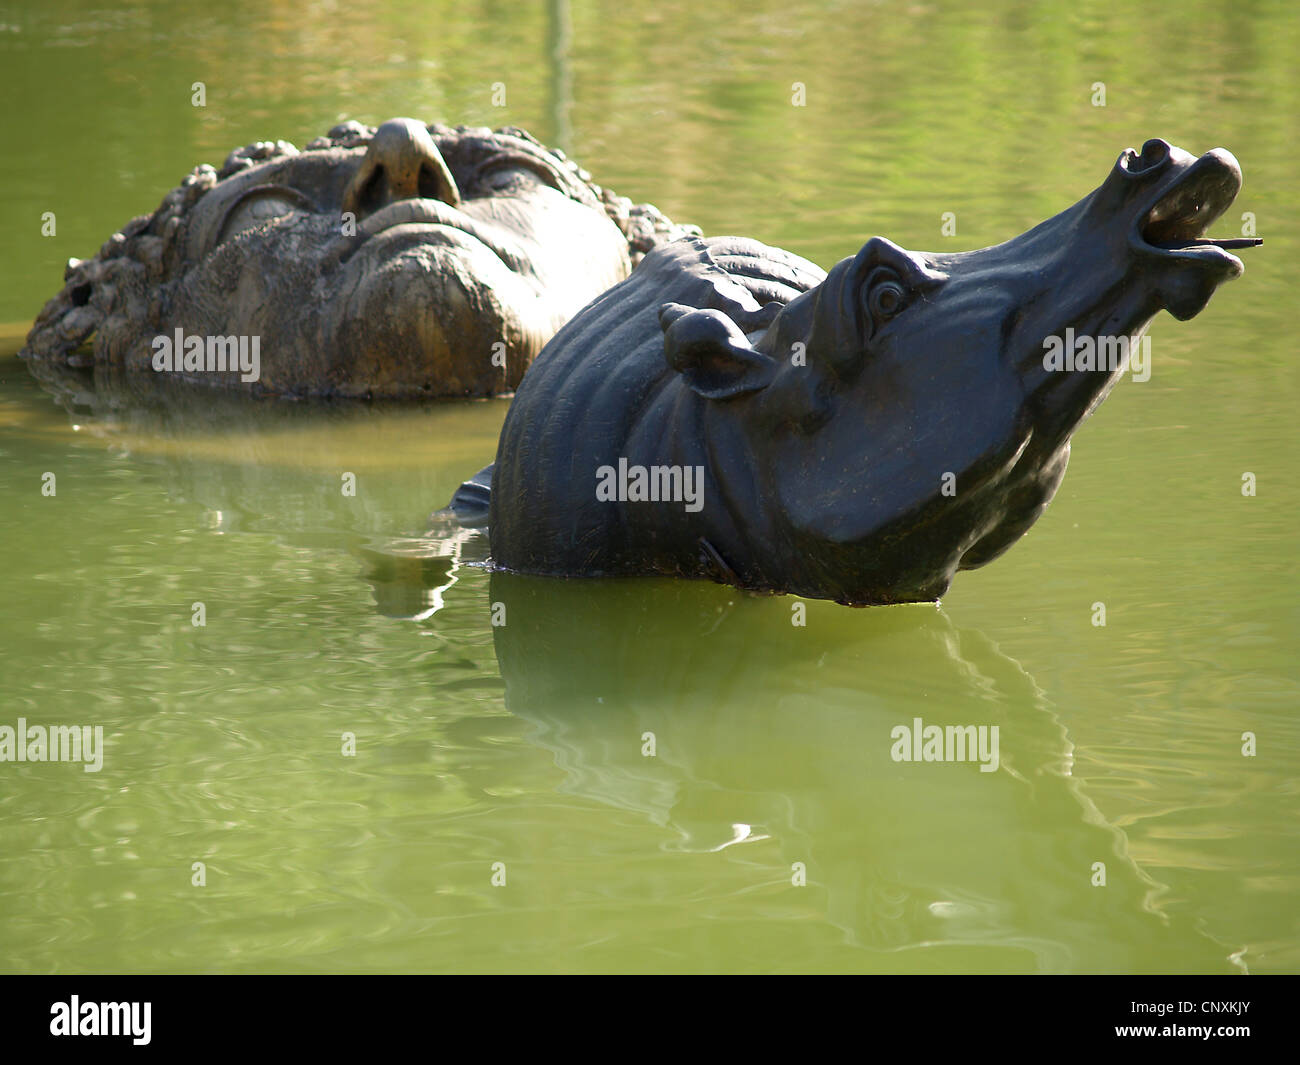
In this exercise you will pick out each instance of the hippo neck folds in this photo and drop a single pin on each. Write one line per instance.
(861, 441)
(410, 260)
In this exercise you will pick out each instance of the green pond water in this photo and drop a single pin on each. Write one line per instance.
(523, 744)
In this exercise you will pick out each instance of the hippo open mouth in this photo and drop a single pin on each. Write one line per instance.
(1187, 205)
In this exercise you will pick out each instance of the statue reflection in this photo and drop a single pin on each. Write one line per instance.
(717, 717)
(276, 468)
(714, 715)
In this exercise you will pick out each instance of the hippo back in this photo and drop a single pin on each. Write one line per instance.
(580, 400)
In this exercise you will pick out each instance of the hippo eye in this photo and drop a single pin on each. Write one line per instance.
(886, 300)
(258, 206)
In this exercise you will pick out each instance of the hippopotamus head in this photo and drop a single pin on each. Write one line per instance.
(898, 421)
(403, 260)
(926, 428)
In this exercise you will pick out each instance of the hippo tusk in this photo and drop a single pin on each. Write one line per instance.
(1231, 244)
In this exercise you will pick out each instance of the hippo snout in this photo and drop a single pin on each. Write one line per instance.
(1167, 199)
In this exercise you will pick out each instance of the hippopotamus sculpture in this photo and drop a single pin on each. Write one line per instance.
(407, 260)
(731, 412)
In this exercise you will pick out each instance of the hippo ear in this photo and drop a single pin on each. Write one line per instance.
(711, 353)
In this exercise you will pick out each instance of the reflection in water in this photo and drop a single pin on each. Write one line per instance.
(766, 729)
(559, 38)
(772, 740)
(276, 467)
(410, 575)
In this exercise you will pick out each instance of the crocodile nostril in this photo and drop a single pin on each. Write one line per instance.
(402, 163)
(435, 183)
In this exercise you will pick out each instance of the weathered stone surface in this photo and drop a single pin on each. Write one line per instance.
(462, 249)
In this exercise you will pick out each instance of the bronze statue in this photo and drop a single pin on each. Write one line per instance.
(731, 412)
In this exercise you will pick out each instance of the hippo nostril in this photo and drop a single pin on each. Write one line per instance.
(1154, 152)
(402, 163)
(1154, 155)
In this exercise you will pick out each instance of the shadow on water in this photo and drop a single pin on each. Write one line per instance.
(767, 729)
